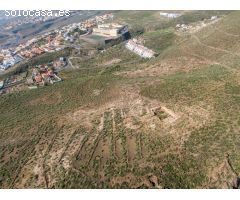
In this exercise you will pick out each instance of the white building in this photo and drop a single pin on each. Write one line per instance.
(170, 15)
(112, 30)
(142, 51)
(214, 17)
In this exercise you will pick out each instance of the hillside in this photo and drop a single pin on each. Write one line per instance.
(119, 121)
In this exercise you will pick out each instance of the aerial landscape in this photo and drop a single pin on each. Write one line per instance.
(120, 99)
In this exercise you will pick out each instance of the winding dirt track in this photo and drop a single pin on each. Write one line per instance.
(214, 48)
(217, 49)
(226, 33)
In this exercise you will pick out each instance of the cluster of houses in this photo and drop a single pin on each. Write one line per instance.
(46, 74)
(84, 26)
(196, 26)
(42, 75)
(8, 59)
(49, 42)
(68, 33)
(59, 64)
(30, 49)
(90, 23)
(134, 46)
(22, 46)
(52, 41)
(35, 51)
(36, 76)
(183, 27)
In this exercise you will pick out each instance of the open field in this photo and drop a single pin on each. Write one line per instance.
(120, 121)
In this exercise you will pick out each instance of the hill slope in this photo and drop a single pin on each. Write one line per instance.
(170, 122)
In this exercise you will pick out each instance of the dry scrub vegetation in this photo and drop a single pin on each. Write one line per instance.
(170, 122)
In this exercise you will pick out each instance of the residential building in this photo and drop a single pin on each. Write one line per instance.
(139, 49)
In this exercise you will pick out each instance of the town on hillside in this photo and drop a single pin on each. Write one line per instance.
(99, 30)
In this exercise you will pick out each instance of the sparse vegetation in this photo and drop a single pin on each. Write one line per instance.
(114, 125)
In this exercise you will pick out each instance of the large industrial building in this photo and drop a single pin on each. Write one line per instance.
(110, 30)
